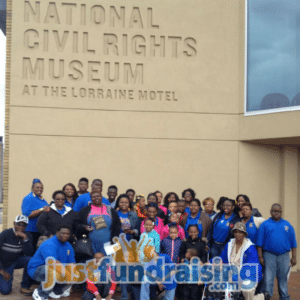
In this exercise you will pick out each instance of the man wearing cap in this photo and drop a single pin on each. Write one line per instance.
(15, 252)
(276, 238)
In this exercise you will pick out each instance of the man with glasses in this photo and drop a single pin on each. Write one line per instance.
(15, 252)
(276, 238)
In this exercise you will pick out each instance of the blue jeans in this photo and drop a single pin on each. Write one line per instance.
(6, 286)
(276, 265)
(216, 249)
(145, 292)
(39, 275)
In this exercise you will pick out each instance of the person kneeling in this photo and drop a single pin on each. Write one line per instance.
(15, 252)
(60, 250)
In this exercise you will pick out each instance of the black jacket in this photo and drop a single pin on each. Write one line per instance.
(217, 219)
(198, 244)
(48, 222)
(81, 222)
(12, 247)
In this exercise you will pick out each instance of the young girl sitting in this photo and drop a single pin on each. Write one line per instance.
(174, 218)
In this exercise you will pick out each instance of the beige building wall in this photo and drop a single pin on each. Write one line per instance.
(62, 122)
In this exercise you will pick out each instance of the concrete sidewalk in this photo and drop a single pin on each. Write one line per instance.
(294, 289)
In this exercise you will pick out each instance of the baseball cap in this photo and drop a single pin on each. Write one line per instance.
(21, 218)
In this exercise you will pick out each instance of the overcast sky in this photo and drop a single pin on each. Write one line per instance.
(2, 82)
(273, 49)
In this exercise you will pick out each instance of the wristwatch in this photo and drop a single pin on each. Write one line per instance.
(41, 209)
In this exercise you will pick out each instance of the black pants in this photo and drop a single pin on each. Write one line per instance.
(103, 291)
(190, 291)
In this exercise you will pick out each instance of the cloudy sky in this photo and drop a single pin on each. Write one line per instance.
(273, 49)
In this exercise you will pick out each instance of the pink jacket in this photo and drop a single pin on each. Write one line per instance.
(158, 228)
(165, 232)
(164, 209)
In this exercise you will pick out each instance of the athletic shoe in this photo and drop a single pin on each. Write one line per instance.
(36, 296)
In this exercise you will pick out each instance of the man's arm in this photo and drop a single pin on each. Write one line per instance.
(294, 257)
(260, 256)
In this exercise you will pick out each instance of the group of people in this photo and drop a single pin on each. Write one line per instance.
(177, 229)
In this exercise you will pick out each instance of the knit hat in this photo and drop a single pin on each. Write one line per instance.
(241, 227)
(21, 218)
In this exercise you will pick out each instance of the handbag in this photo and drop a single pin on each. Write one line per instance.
(83, 247)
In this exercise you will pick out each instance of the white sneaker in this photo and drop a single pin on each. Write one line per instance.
(67, 292)
(53, 295)
(36, 295)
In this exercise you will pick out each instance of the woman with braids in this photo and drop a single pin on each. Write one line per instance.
(220, 229)
(240, 201)
(71, 194)
(188, 195)
(32, 206)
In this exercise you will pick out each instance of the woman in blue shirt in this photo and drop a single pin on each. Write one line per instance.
(220, 229)
(32, 206)
(71, 194)
(252, 223)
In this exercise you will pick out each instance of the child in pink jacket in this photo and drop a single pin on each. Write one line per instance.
(174, 218)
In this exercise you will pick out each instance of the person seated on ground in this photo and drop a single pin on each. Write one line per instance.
(238, 252)
(240, 200)
(15, 252)
(62, 252)
(85, 199)
(59, 214)
(83, 185)
(140, 207)
(112, 193)
(99, 291)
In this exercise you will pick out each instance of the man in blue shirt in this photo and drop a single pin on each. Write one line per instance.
(276, 238)
(60, 250)
(85, 199)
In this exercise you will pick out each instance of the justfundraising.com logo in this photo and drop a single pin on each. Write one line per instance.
(150, 267)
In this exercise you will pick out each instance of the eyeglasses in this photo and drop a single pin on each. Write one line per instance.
(96, 197)
(227, 205)
(22, 225)
(276, 211)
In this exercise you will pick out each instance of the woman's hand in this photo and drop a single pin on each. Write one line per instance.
(46, 208)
